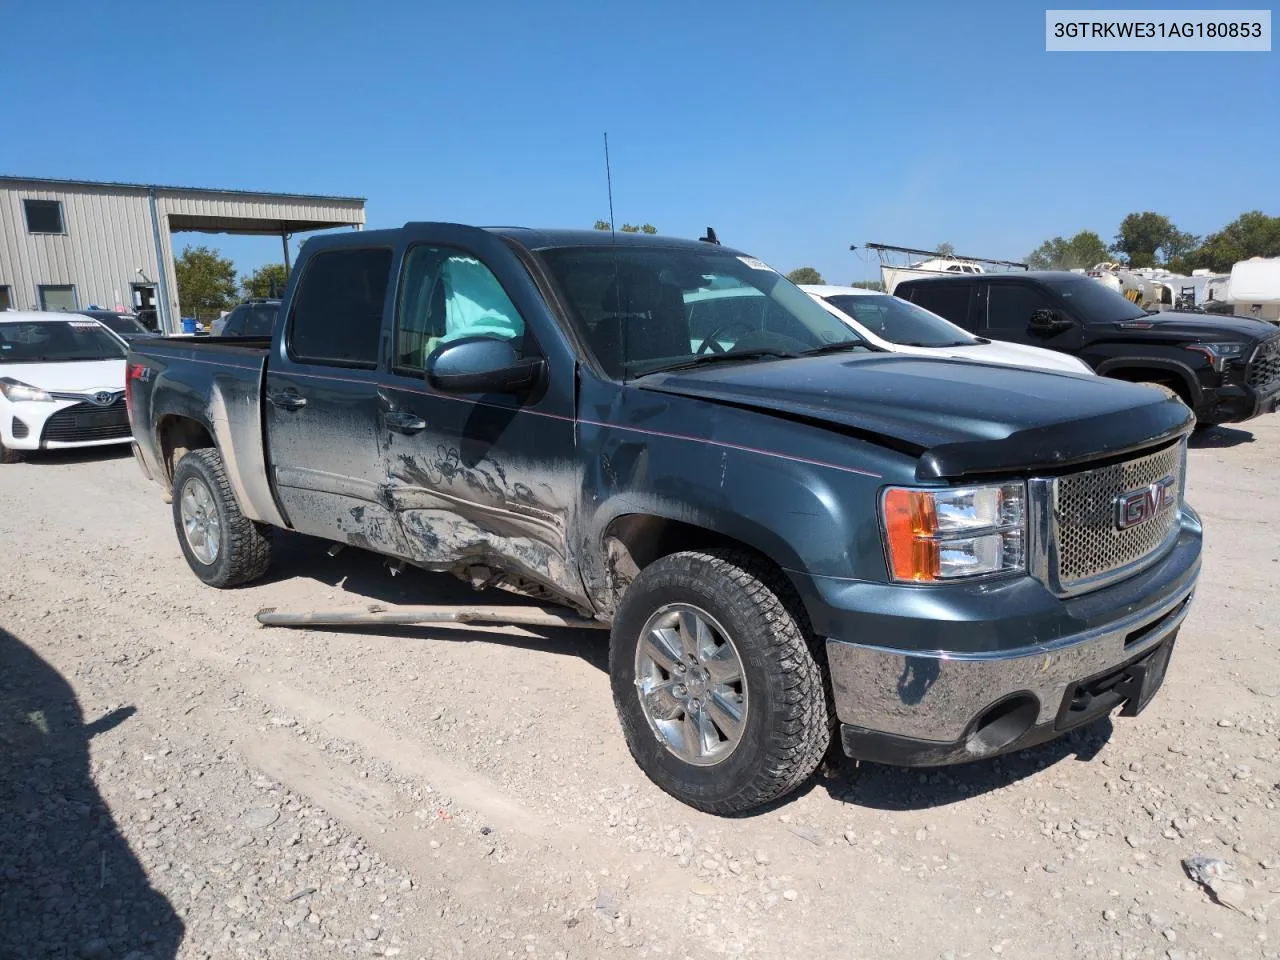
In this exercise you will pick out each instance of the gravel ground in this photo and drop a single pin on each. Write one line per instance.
(176, 781)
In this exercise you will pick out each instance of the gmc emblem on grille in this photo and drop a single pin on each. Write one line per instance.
(1138, 506)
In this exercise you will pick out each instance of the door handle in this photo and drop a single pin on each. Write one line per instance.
(287, 400)
(403, 421)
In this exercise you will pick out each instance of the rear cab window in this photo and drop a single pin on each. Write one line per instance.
(336, 317)
(948, 300)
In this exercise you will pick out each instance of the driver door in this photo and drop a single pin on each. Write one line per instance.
(1009, 307)
(479, 482)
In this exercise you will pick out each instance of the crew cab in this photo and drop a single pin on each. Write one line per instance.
(1226, 369)
(792, 536)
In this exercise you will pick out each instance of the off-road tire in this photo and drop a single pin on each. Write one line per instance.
(789, 721)
(244, 553)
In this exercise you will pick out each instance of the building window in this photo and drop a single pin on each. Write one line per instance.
(57, 296)
(44, 216)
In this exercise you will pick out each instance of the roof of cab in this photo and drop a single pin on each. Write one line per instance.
(1010, 276)
(532, 238)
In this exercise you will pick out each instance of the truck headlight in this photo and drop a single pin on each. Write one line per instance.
(1220, 353)
(934, 534)
(17, 391)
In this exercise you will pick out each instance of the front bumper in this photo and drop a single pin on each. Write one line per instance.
(1233, 403)
(22, 426)
(922, 707)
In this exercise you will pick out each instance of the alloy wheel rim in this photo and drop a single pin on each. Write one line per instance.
(200, 523)
(691, 685)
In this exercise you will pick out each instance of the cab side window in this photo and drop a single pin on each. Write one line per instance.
(447, 294)
(947, 300)
(1010, 305)
(336, 319)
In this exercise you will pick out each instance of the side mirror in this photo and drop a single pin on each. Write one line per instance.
(482, 364)
(1045, 320)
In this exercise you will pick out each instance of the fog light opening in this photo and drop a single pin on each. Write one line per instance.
(1002, 724)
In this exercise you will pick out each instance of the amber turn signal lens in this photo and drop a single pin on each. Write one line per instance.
(910, 521)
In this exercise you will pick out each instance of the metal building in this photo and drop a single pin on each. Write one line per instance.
(66, 244)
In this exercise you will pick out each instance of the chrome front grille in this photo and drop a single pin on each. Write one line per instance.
(1087, 536)
(1264, 368)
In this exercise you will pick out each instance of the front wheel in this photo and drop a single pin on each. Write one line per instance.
(722, 701)
(223, 547)
(9, 455)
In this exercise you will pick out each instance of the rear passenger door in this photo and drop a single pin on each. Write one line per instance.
(321, 401)
(951, 301)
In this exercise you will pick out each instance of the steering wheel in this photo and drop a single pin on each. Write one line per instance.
(711, 343)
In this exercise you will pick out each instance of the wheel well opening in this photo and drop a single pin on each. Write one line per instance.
(178, 437)
(634, 541)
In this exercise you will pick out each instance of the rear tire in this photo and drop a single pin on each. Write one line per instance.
(739, 610)
(223, 547)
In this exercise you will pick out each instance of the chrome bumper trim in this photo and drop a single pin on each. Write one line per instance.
(935, 695)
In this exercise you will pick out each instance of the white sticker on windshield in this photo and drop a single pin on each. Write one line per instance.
(755, 264)
(82, 323)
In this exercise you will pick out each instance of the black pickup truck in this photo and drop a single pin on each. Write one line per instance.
(1225, 369)
(792, 535)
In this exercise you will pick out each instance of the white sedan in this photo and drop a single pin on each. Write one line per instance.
(901, 327)
(61, 384)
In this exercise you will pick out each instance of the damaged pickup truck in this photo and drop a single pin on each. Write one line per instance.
(793, 536)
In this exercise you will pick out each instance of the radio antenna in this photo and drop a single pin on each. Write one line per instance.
(613, 243)
(608, 179)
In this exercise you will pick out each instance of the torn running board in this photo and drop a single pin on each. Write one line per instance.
(377, 613)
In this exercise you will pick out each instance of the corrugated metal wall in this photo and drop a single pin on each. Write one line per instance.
(109, 235)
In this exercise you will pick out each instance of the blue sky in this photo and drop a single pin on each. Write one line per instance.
(794, 129)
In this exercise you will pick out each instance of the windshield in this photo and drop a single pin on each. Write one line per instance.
(54, 341)
(645, 310)
(901, 322)
(122, 323)
(1093, 302)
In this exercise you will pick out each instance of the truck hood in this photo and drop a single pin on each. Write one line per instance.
(1202, 326)
(959, 418)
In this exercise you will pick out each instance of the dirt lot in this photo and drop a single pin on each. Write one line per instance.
(176, 781)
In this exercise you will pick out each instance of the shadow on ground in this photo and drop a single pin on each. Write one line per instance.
(899, 788)
(365, 578)
(1219, 438)
(37, 458)
(70, 886)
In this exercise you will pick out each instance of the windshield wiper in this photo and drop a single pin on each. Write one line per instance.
(709, 358)
(920, 343)
(839, 347)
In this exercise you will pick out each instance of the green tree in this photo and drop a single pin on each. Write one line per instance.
(627, 227)
(206, 282)
(267, 281)
(805, 275)
(946, 250)
(1141, 235)
(1252, 234)
(877, 285)
(1083, 250)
